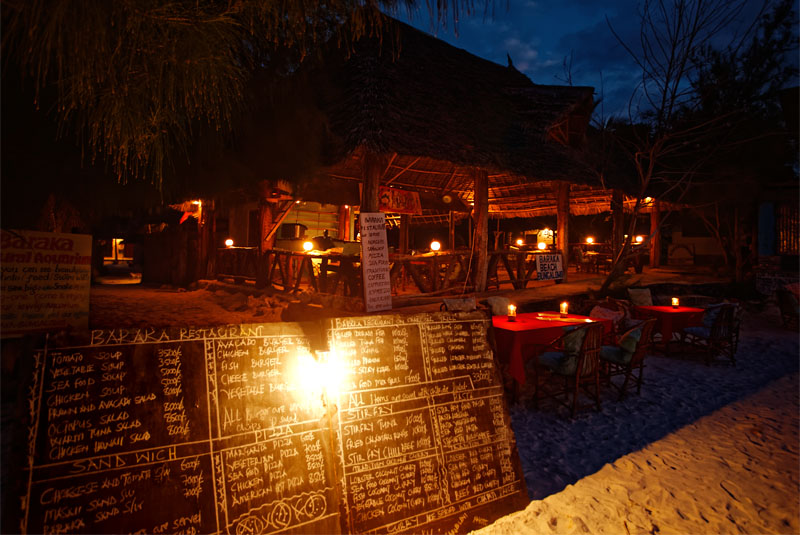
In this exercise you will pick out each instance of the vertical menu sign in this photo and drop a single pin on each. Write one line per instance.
(423, 430)
(375, 262)
(180, 431)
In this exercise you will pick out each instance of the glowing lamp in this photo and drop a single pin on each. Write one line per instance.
(590, 240)
(512, 313)
(563, 308)
(639, 239)
(229, 243)
(648, 200)
(435, 245)
(541, 246)
(675, 302)
(307, 245)
(519, 242)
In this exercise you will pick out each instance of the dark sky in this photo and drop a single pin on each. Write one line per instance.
(540, 34)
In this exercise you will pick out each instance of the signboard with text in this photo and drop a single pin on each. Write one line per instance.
(45, 281)
(375, 262)
(549, 267)
(399, 201)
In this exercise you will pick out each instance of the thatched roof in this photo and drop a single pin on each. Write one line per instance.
(437, 111)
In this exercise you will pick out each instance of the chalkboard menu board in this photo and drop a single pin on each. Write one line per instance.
(223, 430)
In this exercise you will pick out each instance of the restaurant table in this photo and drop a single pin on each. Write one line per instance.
(670, 320)
(533, 328)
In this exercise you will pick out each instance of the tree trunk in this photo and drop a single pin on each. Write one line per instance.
(655, 234)
(372, 169)
(617, 221)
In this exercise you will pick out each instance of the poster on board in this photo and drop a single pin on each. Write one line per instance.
(375, 262)
(45, 281)
(549, 267)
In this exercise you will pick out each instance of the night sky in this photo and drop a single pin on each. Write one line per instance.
(539, 34)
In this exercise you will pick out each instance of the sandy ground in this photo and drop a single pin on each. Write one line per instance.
(703, 450)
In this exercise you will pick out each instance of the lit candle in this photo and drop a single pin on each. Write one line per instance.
(675, 302)
(563, 308)
(512, 313)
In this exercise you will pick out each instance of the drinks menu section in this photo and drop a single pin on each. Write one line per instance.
(241, 429)
(423, 430)
(184, 431)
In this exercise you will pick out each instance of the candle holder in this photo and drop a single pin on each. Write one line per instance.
(512, 313)
(563, 309)
(675, 302)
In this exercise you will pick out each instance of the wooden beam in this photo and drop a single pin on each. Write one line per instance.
(451, 230)
(481, 181)
(403, 170)
(617, 221)
(372, 167)
(562, 217)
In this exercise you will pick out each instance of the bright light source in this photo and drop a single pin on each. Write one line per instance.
(675, 302)
(435, 245)
(297, 202)
(639, 239)
(563, 308)
(347, 206)
(323, 375)
(541, 245)
(648, 200)
(198, 203)
(307, 245)
(590, 240)
(229, 243)
(520, 242)
(512, 312)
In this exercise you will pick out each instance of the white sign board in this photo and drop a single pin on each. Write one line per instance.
(549, 267)
(375, 262)
(45, 283)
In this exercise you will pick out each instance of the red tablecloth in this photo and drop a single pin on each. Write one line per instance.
(670, 320)
(532, 328)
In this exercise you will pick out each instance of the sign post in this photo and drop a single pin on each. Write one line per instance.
(375, 262)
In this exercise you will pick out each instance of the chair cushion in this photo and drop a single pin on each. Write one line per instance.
(710, 315)
(615, 354)
(499, 305)
(572, 340)
(558, 362)
(628, 341)
(699, 332)
(640, 297)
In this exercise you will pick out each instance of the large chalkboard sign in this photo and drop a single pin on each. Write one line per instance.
(225, 430)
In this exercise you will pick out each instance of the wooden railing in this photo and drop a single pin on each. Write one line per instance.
(337, 273)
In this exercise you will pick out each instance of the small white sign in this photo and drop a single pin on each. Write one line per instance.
(549, 267)
(375, 262)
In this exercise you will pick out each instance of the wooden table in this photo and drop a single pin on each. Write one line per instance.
(670, 320)
(533, 328)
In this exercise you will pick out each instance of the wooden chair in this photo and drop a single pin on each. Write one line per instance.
(617, 362)
(559, 375)
(715, 337)
(790, 310)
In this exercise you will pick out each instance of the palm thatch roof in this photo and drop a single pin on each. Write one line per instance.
(437, 111)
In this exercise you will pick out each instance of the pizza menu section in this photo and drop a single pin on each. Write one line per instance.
(374, 424)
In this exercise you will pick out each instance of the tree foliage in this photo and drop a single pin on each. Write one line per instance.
(136, 79)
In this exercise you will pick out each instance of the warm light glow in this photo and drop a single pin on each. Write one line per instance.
(316, 377)
(675, 302)
(198, 203)
(648, 200)
(520, 242)
(297, 202)
(541, 245)
(590, 240)
(347, 206)
(563, 308)
(307, 245)
(229, 243)
(435, 245)
(639, 239)
(512, 312)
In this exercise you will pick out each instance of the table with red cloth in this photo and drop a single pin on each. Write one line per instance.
(533, 328)
(670, 319)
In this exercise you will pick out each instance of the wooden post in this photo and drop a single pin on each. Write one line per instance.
(481, 214)
(738, 242)
(372, 167)
(208, 249)
(344, 223)
(617, 221)
(562, 219)
(451, 230)
(655, 234)
(405, 224)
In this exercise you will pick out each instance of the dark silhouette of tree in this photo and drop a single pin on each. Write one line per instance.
(137, 79)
